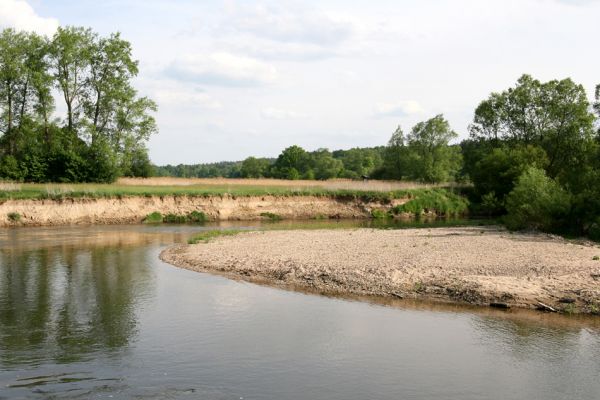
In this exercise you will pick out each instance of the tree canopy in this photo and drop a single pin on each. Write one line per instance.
(105, 126)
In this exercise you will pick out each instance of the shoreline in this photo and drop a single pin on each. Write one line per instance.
(226, 207)
(469, 265)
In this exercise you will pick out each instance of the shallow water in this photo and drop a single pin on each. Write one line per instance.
(92, 313)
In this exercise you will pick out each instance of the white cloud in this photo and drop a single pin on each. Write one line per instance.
(287, 23)
(222, 69)
(172, 93)
(400, 109)
(20, 15)
(279, 114)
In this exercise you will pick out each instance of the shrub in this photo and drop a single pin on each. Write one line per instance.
(174, 219)
(380, 214)
(536, 202)
(153, 218)
(197, 216)
(491, 205)
(14, 216)
(438, 201)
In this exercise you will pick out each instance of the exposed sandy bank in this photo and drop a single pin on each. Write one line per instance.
(134, 209)
(474, 265)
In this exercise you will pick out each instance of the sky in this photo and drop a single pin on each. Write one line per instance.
(239, 78)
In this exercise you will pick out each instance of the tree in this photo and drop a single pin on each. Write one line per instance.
(359, 162)
(553, 115)
(395, 156)
(253, 167)
(431, 158)
(324, 166)
(71, 53)
(106, 124)
(291, 163)
(497, 172)
(536, 202)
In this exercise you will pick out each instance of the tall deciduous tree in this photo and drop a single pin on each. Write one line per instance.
(554, 115)
(431, 158)
(71, 53)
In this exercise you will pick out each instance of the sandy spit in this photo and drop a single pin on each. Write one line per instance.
(473, 265)
(130, 210)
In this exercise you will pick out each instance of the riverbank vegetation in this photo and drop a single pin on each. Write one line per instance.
(103, 124)
(532, 153)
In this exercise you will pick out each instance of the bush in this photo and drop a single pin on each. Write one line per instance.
(174, 219)
(536, 202)
(153, 218)
(380, 214)
(197, 216)
(14, 216)
(438, 201)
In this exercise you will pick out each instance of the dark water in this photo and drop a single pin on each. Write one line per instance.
(91, 313)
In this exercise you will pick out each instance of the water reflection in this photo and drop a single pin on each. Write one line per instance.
(92, 313)
(66, 303)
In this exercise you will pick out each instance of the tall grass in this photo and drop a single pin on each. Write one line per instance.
(207, 236)
(63, 191)
(438, 201)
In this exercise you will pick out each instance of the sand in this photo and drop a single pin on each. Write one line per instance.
(133, 209)
(473, 264)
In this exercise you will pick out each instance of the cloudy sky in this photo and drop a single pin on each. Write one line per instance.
(239, 78)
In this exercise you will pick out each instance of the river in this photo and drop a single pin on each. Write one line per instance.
(92, 313)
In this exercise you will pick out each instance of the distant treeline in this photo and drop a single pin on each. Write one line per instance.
(533, 155)
(105, 125)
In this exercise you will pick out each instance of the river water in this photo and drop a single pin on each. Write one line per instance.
(92, 313)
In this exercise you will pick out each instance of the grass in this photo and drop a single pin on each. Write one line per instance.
(207, 236)
(370, 191)
(14, 217)
(380, 214)
(193, 217)
(153, 218)
(439, 201)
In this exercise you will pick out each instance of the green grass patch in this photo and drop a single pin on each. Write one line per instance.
(153, 218)
(14, 216)
(271, 216)
(56, 191)
(174, 219)
(441, 202)
(197, 217)
(380, 214)
(207, 236)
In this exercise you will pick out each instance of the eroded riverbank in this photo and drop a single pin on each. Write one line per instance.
(133, 209)
(472, 265)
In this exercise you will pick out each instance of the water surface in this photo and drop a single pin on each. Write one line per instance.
(92, 313)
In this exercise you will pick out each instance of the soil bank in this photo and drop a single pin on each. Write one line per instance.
(472, 265)
(129, 210)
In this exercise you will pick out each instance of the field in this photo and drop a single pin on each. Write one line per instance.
(209, 187)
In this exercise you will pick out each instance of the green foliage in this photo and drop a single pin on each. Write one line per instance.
(197, 216)
(536, 202)
(553, 115)
(380, 214)
(253, 167)
(207, 236)
(499, 169)
(153, 218)
(14, 216)
(291, 163)
(105, 123)
(438, 201)
(491, 205)
(174, 219)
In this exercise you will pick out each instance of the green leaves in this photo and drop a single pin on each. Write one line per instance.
(105, 124)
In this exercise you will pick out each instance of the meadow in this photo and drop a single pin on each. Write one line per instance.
(211, 187)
